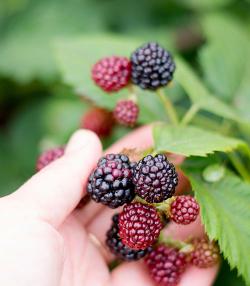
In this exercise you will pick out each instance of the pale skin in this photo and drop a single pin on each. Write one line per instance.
(46, 242)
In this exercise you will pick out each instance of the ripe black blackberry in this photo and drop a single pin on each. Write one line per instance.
(166, 265)
(152, 66)
(111, 182)
(155, 178)
(119, 249)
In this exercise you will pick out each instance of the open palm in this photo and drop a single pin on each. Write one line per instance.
(45, 242)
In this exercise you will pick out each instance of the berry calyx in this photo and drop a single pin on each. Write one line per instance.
(152, 66)
(166, 265)
(49, 156)
(184, 210)
(139, 225)
(155, 178)
(111, 181)
(98, 120)
(112, 73)
(117, 247)
(206, 253)
(126, 112)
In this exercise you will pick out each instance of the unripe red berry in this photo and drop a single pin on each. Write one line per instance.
(112, 73)
(166, 265)
(49, 156)
(126, 112)
(139, 225)
(98, 120)
(206, 253)
(184, 210)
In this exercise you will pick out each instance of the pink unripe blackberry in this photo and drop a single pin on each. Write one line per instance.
(184, 210)
(166, 265)
(206, 253)
(112, 73)
(139, 225)
(126, 112)
(49, 156)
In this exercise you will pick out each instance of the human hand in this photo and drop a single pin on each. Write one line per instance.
(46, 242)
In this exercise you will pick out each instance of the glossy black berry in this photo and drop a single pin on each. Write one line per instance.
(111, 182)
(155, 178)
(152, 66)
(116, 246)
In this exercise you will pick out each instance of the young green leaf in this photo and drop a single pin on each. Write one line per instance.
(225, 215)
(193, 141)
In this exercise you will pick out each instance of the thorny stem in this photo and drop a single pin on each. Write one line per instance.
(190, 114)
(239, 166)
(170, 110)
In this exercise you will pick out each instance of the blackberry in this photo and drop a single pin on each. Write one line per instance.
(98, 120)
(206, 253)
(166, 265)
(111, 182)
(120, 250)
(49, 156)
(155, 178)
(126, 112)
(112, 73)
(184, 210)
(152, 66)
(139, 225)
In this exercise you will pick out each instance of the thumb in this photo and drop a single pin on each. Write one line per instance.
(55, 191)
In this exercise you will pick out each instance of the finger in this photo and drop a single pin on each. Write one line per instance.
(55, 191)
(132, 274)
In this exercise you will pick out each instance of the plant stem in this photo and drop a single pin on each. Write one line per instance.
(170, 110)
(190, 114)
(239, 166)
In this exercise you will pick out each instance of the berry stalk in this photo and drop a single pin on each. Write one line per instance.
(170, 110)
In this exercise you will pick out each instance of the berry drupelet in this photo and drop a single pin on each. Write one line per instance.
(98, 120)
(139, 225)
(117, 247)
(166, 265)
(112, 73)
(49, 156)
(111, 182)
(206, 253)
(155, 178)
(126, 112)
(152, 66)
(184, 210)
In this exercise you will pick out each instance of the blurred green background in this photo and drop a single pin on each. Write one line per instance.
(39, 110)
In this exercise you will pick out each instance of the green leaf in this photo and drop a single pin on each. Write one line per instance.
(225, 215)
(224, 68)
(192, 141)
(199, 94)
(204, 4)
(26, 46)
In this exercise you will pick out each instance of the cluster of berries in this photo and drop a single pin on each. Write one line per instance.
(141, 187)
(149, 67)
(145, 189)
